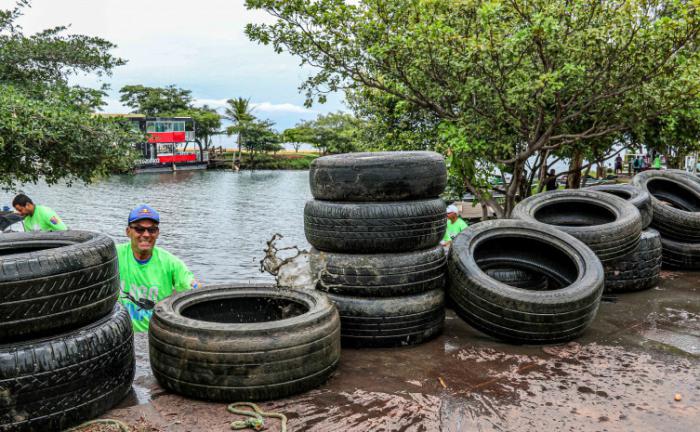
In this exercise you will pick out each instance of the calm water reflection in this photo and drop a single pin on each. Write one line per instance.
(216, 221)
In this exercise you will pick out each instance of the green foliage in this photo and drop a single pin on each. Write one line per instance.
(506, 81)
(240, 113)
(331, 133)
(260, 138)
(155, 101)
(47, 128)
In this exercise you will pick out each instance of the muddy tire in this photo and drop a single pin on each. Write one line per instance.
(679, 255)
(56, 382)
(520, 278)
(374, 227)
(390, 321)
(52, 281)
(640, 269)
(380, 275)
(558, 314)
(284, 342)
(606, 223)
(675, 198)
(381, 176)
(639, 198)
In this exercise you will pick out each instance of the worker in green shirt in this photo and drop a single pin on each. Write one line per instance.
(37, 217)
(455, 225)
(147, 271)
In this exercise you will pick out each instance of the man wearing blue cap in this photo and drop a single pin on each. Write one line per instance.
(147, 271)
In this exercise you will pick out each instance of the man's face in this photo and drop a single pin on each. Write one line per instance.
(26, 210)
(452, 216)
(143, 234)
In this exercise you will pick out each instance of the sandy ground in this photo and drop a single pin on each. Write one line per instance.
(622, 375)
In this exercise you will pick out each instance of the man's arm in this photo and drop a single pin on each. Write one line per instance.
(52, 222)
(183, 279)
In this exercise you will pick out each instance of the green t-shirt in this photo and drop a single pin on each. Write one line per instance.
(454, 228)
(154, 280)
(43, 219)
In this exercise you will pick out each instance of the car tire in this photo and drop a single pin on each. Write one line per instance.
(380, 275)
(51, 281)
(380, 176)
(634, 195)
(606, 223)
(558, 314)
(62, 380)
(519, 278)
(390, 321)
(680, 255)
(287, 341)
(374, 227)
(640, 269)
(680, 219)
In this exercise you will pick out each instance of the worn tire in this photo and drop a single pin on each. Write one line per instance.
(606, 223)
(59, 381)
(639, 198)
(381, 176)
(638, 270)
(380, 275)
(517, 314)
(390, 321)
(681, 219)
(680, 255)
(245, 361)
(519, 278)
(51, 281)
(374, 227)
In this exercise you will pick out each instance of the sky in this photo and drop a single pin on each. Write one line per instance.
(196, 45)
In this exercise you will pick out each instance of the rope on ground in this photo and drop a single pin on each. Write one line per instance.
(256, 417)
(123, 427)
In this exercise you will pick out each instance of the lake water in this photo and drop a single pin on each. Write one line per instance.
(215, 221)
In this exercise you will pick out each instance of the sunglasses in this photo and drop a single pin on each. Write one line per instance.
(140, 230)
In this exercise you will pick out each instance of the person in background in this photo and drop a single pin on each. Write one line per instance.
(637, 164)
(618, 164)
(147, 271)
(37, 217)
(551, 181)
(455, 225)
(657, 162)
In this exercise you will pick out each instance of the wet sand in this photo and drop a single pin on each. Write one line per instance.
(622, 375)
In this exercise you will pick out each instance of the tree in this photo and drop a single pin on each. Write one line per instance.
(240, 113)
(47, 127)
(506, 81)
(260, 138)
(297, 136)
(332, 133)
(155, 101)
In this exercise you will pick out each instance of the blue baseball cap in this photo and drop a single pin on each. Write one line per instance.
(144, 212)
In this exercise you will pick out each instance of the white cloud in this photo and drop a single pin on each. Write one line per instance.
(260, 107)
(283, 107)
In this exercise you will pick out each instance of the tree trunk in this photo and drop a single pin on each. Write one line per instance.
(573, 180)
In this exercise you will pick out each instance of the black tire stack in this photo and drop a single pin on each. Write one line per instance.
(612, 220)
(376, 223)
(640, 269)
(675, 199)
(67, 352)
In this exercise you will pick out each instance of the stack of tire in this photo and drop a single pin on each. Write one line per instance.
(376, 223)
(640, 269)
(675, 199)
(610, 220)
(66, 350)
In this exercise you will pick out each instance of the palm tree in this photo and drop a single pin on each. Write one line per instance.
(240, 113)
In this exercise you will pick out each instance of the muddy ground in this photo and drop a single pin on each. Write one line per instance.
(642, 350)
